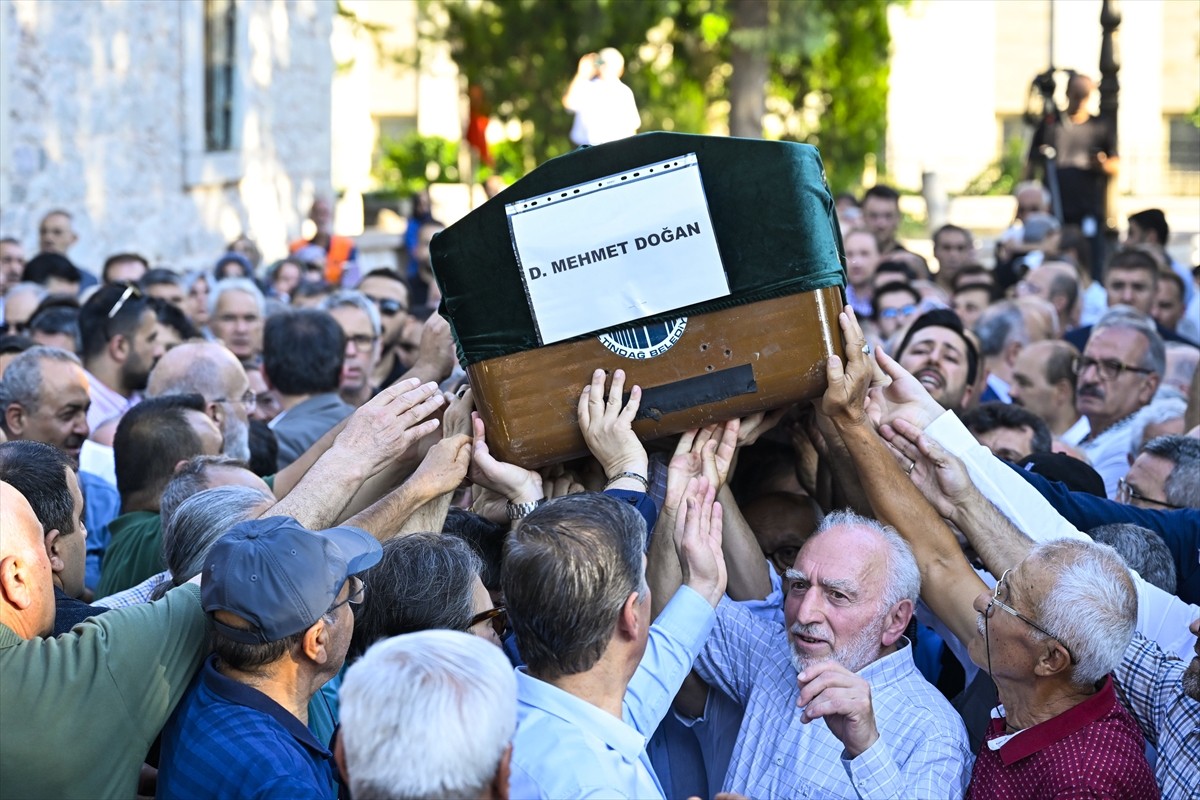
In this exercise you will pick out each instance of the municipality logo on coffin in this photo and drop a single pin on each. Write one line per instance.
(645, 341)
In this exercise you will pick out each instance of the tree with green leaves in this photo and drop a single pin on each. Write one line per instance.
(810, 70)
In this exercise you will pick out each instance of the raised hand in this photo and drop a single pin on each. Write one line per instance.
(435, 355)
(833, 693)
(518, 484)
(905, 398)
(444, 466)
(940, 476)
(697, 538)
(608, 427)
(391, 422)
(457, 418)
(845, 396)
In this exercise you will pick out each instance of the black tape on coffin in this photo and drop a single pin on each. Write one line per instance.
(712, 387)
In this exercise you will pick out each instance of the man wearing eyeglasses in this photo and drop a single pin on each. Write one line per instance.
(1050, 633)
(1117, 375)
(278, 596)
(119, 330)
(388, 291)
(210, 370)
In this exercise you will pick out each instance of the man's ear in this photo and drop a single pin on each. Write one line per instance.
(53, 550)
(315, 643)
(628, 623)
(1149, 387)
(1052, 661)
(503, 773)
(216, 412)
(896, 621)
(1011, 352)
(118, 348)
(16, 582)
(14, 419)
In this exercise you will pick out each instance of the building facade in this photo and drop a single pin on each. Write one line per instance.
(165, 127)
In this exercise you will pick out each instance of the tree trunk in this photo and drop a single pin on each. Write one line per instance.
(748, 84)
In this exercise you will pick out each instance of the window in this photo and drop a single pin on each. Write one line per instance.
(220, 63)
(216, 46)
(1183, 154)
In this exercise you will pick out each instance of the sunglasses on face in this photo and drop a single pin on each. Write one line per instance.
(387, 306)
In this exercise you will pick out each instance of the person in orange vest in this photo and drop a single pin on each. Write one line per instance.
(338, 253)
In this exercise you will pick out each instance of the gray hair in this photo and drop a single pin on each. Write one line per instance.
(1156, 412)
(22, 381)
(569, 568)
(1001, 325)
(348, 298)
(1025, 185)
(1142, 549)
(423, 581)
(27, 287)
(1129, 318)
(1092, 606)
(197, 523)
(191, 479)
(244, 285)
(411, 695)
(1182, 486)
(903, 573)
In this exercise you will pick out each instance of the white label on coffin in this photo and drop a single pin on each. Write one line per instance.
(617, 249)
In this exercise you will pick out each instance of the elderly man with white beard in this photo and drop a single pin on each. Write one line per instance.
(213, 372)
(834, 706)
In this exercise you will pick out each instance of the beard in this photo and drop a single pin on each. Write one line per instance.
(1191, 679)
(236, 434)
(858, 652)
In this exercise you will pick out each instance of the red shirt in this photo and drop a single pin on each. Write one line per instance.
(1092, 750)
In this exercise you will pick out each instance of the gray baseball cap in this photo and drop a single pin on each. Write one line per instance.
(279, 576)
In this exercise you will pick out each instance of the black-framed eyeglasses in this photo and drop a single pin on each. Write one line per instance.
(1127, 494)
(996, 601)
(14, 328)
(387, 306)
(358, 591)
(131, 290)
(497, 616)
(362, 342)
(1109, 369)
(249, 400)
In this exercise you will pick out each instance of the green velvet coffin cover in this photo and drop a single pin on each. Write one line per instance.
(771, 211)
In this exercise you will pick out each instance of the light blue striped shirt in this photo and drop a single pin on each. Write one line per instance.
(566, 747)
(922, 749)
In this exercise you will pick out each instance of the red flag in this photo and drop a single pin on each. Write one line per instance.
(478, 116)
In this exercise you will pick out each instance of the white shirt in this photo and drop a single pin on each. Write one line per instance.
(1077, 432)
(604, 112)
(1162, 617)
(1109, 454)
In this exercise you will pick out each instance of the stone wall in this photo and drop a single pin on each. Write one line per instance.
(101, 113)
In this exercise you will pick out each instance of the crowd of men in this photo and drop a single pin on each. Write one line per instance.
(252, 529)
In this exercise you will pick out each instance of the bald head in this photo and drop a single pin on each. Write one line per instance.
(205, 368)
(26, 584)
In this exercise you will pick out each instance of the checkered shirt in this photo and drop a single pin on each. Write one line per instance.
(922, 749)
(1149, 684)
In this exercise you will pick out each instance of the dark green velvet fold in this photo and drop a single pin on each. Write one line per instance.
(770, 206)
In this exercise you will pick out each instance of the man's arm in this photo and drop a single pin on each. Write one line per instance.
(374, 436)
(679, 633)
(421, 502)
(948, 584)
(1162, 617)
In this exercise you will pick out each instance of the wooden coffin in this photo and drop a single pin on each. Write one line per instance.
(761, 345)
(726, 364)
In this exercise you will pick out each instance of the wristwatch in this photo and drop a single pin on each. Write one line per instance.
(519, 510)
